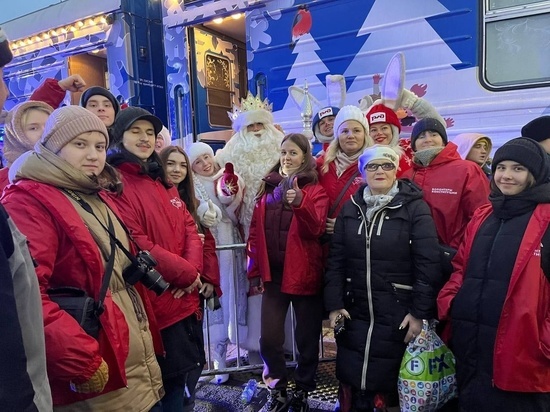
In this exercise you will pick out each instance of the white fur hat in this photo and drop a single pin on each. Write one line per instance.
(350, 113)
(251, 117)
(166, 137)
(197, 149)
(252, 110)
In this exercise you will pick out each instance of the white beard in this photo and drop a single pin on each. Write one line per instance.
(252, 158)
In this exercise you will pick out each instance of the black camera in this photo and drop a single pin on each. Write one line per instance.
(142, 269)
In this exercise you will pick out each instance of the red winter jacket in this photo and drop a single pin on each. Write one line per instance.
(160, 223)
(211, 267)
(4, 179)
(49, 92)
(303, 267)
(521, 359)
(67, 255)
(454, 189)
(333, 184)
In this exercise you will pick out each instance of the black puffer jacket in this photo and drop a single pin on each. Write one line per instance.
(379, 273)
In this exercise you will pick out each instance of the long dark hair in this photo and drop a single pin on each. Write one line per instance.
(186, 188)
(306, 173)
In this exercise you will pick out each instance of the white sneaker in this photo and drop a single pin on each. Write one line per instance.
(220, 379)
(219, 363)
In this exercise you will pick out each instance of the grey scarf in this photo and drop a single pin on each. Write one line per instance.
(425, 157)
(376, 202)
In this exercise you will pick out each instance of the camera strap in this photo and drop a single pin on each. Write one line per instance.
(109, 230)
(113, 242)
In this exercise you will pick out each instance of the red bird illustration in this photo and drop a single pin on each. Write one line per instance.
(301, 24)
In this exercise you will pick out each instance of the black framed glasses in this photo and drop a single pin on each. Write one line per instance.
(373, 167)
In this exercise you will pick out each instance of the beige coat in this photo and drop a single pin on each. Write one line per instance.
(142, 370)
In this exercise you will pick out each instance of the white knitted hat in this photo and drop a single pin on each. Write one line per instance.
(350, 113)
(380, 152)
(197, 149)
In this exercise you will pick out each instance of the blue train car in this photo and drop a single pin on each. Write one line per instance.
(111, 43)
(483, 64)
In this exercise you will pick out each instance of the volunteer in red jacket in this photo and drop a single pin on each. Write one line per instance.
(178, 170)
(161, 224)
(337, 168)
(453, 188)
(54, 185)
(285, 255)
(498, 299)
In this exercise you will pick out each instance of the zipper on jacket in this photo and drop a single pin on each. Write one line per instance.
(484, 284)
(368, 234)
(401, 286)
(381, 222)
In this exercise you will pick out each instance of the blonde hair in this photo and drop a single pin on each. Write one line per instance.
(334, 148)
(26, 112)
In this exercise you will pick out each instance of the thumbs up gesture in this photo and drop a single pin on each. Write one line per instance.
(209, 217)
(228, 183)
(294, 195)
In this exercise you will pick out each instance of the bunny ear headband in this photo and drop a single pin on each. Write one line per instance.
(308, 104)
(391, 90)
(336, 93)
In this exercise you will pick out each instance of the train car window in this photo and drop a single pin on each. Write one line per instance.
(218, 89)
(500, 4)
(516, 44)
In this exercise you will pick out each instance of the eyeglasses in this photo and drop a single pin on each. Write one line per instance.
(373, 167)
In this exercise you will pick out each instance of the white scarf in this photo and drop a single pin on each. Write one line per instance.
(376, 202)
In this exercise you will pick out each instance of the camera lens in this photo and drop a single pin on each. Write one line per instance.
(154, 281)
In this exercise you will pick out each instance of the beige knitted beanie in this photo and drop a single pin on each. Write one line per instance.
(66, 123)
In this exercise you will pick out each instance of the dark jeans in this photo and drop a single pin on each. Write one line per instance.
(182, 366)
(309, 318)
(180, 400)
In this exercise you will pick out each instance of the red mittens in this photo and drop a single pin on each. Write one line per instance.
(228, 183)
